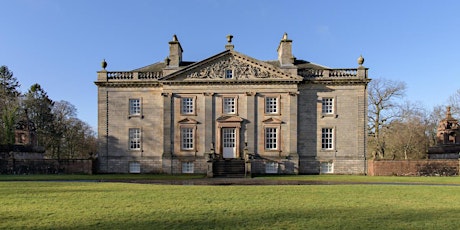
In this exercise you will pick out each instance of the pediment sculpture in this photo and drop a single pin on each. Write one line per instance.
(241, 70)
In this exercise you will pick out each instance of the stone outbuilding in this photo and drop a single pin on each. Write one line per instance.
(447, 139)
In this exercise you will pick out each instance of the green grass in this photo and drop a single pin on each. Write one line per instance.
(313, 178)
(78, 205)
(370, 179)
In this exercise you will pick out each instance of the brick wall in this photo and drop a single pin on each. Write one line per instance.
(45, 166)
(413, 168)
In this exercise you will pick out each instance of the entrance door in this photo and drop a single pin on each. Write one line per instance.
(229, 142)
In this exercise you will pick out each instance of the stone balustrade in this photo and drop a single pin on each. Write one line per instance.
(333, 73)
(343, 73)
(305, 73)
(128, 75)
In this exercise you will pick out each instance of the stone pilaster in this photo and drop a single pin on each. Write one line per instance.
(167, 123)
(251, 136)
(209, 121)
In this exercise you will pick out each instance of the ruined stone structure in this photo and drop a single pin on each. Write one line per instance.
(286, 116)
(447, 138)
(24, 133)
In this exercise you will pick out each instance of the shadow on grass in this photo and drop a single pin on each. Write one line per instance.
(319, 218)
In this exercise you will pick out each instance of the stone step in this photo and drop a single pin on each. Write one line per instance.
(229, 168)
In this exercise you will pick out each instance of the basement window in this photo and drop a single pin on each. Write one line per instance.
(327, 167)
(134, 167)
(271, 167)
(187, 167)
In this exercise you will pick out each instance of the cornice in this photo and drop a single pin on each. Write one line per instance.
(233, 82)
(127, 84)
(338, 81)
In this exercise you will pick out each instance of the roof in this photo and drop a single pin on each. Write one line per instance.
(301, 64)
(159, 66)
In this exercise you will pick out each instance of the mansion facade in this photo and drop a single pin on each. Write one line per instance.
(286, 116)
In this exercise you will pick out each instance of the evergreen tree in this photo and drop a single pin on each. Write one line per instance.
(9, 104)
(9, 84)
(39, 110)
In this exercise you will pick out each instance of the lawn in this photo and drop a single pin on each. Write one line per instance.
(95, 205)
(312, 178)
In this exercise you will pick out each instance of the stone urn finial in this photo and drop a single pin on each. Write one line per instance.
(360, 60)
(448, 113)
(229, 38)
(285, 36)
(103, 64)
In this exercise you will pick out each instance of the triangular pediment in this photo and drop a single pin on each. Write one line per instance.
(272, 120)
(243, 68)
(188, 121)
(229, 119)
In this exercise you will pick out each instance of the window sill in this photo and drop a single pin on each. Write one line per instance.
(188, 150)
(229, 114)
(136, 116)
(188, 114)
(327, 150)
(333, 115)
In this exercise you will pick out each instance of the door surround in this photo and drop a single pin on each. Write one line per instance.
(228, 122)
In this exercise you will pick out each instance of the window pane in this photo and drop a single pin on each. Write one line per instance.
(187, 138)
(271, 167)
(229, 105)
(327, 138)
(187, 167)
(271, 105)
(327, 105)
(327, 167)
(134, 167)
(229, 137)
(271, 139)
(228, 74)
(134, 106)
(134, 139)
(187, 105)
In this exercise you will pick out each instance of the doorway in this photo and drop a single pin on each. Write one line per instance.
(229, 142)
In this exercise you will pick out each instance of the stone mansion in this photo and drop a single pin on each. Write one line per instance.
(284, 116)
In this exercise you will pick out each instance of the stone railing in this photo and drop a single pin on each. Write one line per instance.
(119, 75)
(128, 75)
(333, 73)
(343, 73)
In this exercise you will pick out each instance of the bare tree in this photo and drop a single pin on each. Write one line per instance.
(383, 108)
(407, 136)
(454, 101)
(72, 138)
(437, 114)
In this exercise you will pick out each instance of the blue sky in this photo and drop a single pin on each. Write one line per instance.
(60, 44)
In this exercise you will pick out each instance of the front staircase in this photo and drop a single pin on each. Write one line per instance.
(233, 168)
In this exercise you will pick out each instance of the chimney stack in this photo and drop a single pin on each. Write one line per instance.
(285, 52)
(175, 52)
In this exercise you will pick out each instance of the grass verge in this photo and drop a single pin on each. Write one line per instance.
(77, 205)
(313, 178)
